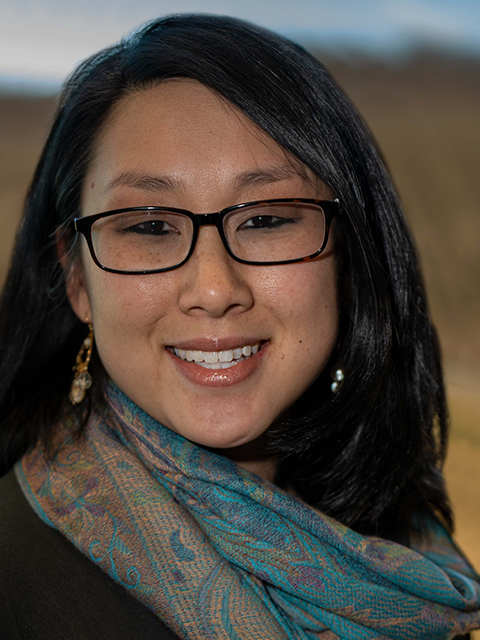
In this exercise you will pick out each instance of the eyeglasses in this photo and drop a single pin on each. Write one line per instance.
(142, 240)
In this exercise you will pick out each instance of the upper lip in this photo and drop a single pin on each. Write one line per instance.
(216, 344)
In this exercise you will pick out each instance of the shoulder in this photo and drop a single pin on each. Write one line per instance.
(30, 551)
(19, 527)
(49, 590)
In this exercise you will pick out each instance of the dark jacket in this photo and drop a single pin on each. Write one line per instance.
(50, 591)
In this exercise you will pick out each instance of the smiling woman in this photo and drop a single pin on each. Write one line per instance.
(252, 440)
(198, 153)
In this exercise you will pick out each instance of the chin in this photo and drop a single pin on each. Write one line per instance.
(222, 436)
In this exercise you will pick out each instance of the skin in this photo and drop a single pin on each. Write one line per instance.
(209, 156)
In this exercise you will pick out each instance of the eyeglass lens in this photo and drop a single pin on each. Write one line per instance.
(149, 240)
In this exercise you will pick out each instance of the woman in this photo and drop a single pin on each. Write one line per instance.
(251, 445)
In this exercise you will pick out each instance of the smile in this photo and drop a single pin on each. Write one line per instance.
(218, 359)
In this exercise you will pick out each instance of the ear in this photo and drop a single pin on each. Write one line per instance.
(77, 291)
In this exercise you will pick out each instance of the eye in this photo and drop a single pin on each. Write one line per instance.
(266, 222)
(151, 228)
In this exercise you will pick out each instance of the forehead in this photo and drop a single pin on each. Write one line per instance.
(179, 144)
(183, 128)
(178, 115)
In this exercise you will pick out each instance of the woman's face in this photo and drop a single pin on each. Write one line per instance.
(179, 145)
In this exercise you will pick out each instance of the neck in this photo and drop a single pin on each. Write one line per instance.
(253, 457)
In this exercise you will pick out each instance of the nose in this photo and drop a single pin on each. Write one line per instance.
(213, 284)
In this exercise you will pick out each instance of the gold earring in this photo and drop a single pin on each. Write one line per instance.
(82, 379)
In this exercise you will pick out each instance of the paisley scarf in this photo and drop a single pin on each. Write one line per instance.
(217, 552)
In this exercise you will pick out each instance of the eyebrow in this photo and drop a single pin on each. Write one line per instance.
(162, 184)
(144, 181)
(259, 177)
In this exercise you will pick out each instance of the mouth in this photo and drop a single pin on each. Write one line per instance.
(218, 359)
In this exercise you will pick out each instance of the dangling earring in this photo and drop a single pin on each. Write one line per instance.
(82, 379)
(337, 377)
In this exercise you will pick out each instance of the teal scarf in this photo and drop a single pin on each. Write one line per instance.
(217, 552)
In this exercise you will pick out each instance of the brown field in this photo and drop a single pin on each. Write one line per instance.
(425, 115)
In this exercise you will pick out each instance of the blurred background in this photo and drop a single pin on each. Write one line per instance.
(412, 67)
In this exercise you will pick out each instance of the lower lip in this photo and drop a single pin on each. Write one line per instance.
(220, 377)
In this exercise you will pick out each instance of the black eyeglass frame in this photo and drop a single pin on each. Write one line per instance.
(330, 208)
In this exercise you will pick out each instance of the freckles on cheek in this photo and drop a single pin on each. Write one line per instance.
(295, 290)
(131, 300)
(311, 300)
(278, 289)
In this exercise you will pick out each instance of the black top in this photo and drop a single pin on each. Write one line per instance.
(50, 591)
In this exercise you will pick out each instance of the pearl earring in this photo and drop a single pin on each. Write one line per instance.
(337, 378)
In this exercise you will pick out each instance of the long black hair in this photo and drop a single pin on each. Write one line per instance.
(370, 454)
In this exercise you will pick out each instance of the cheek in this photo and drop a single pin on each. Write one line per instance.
(304, 296)
(125, 310)
(303, 299)
(129, 299)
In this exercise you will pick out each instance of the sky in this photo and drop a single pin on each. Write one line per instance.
(41, 41)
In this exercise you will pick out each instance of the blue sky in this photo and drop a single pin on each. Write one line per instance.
(45, 39)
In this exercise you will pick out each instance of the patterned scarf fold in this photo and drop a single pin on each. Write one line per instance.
(219, 553)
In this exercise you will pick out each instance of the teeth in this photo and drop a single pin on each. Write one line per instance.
(210, 357)
(225, 356)
(218, 359)
(219, 365)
